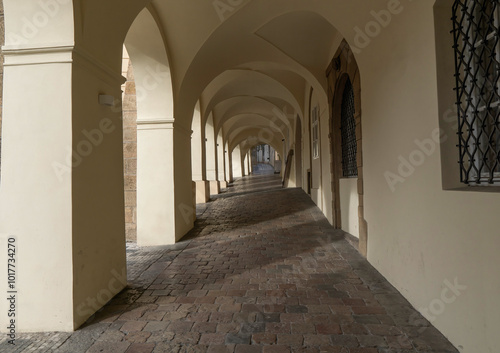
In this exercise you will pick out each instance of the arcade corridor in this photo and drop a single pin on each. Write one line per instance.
(262, 271)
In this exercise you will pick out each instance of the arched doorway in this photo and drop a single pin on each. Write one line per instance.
(346, 146)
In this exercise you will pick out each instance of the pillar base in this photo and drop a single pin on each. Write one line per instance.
(223, 184)
(202, 191)
(214, 187)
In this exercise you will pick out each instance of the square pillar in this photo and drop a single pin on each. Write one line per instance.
(165, 213)
(61, 192)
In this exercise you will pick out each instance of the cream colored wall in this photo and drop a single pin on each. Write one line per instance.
(349, 203)
(420, 236)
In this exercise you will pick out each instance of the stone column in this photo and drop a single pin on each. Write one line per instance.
(221, 169)
(237, 162)
(211, 154)
(227, 163)
(164, 212)
(198, 158)
(248, 159)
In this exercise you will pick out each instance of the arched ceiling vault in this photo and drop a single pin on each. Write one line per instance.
(238, 82)
(265, 133)
(273, 50)
(244, 120)
(276, 113)
(250, 137)
(290, 42)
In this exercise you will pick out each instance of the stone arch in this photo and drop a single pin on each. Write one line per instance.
(343, 68)
(238, 106)
(249, 147)
(155, 100)
(262, 134)
(148, 99)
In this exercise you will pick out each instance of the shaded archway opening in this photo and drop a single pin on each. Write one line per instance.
(347, 186)
(165, 204)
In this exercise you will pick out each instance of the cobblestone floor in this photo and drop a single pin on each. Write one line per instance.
(262, 271)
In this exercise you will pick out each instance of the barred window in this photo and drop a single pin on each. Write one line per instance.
(348, 133)
(315, 133)
(476, 32)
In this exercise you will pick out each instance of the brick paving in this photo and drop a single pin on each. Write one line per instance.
(262, 271)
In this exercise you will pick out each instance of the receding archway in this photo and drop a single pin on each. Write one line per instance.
(343, 73)
(160, 220)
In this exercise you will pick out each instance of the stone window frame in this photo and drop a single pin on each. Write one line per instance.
(342, 67)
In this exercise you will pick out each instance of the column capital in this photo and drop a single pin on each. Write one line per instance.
(22, 56)
(163, 124)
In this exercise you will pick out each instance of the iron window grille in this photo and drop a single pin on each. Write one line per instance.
(348, 133)
(315, 133)
(476, 30)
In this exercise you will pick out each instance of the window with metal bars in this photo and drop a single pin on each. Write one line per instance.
(348, 133)
(315, 132)
(476, 35)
